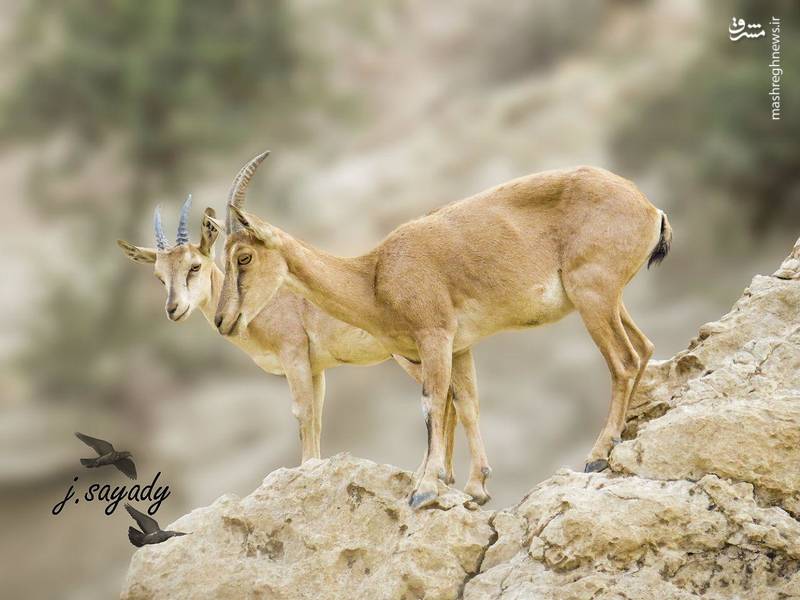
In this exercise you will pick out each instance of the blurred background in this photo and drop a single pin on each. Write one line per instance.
(375, 113)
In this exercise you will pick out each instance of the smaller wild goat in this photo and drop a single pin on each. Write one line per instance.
(290, 336)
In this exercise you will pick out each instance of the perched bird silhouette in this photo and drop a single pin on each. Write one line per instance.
(106, 455)
(151, 533)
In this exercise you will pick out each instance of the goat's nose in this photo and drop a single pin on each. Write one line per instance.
(218, 320)
(171, 308)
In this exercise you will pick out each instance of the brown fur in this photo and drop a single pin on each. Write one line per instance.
(521, 254)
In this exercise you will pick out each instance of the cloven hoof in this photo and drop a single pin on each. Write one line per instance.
(481, 498)
(596, 466)
(422, 499)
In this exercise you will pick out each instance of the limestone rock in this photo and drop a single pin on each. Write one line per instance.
(730, 403)
(605, 536)
(790, 269)
(338, 528)
(702, 501)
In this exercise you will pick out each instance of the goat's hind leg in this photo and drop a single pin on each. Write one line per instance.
(643, 346)
(598, 301)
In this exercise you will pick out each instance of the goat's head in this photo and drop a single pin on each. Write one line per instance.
(254, 266)
(185, 269)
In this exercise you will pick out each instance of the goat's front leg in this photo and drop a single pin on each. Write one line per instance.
(450, 421)
(465, 400)
(297, 367)
(319, 401)
(415, 371)
(435, 348)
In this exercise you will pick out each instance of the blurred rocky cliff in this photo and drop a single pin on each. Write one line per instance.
(702, 500)
(376, 112)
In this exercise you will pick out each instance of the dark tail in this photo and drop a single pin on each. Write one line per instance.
(136, 537)
(87, 462)
(661, 250)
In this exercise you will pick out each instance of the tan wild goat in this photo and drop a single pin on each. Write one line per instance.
(289, 336)
(519, 255)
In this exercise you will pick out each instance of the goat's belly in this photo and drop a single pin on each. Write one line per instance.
(545, 302)
(346, 346)
(269, 363)
(474, 323)
(538, 304)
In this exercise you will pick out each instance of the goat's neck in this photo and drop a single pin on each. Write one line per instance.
(342, 287)
(209, 307)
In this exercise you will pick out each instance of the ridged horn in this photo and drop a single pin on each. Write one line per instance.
(161, 239)
(182, 237)
(238, 191)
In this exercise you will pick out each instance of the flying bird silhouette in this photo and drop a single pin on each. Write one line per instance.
(106, 455)
(151, 533)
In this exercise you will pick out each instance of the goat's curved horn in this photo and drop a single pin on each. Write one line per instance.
(182, 237)
(161, 239)
(238, 191)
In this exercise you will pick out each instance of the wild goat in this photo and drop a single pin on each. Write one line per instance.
(289, 336)
(519, 255)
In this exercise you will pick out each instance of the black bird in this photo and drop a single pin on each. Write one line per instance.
(106, 455)
(151, 533)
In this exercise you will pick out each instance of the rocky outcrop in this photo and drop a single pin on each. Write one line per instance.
(335, 528)
(702, 500)
(730, 403)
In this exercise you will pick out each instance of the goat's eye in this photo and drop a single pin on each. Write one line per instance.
(161, 279)
(195, 268)
(244, 259)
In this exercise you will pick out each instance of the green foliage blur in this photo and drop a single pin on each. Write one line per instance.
(174, 78)
(152, 88)
(712, 131)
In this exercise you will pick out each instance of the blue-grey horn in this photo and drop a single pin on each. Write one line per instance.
(238, 191)
(182, 237)
(161, 239)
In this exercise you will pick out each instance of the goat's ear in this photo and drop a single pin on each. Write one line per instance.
(210, 229)
(137, 254)
(257, 227)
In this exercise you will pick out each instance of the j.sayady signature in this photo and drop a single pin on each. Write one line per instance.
(113, 496)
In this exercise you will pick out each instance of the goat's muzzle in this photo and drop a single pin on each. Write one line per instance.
(227, 325)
